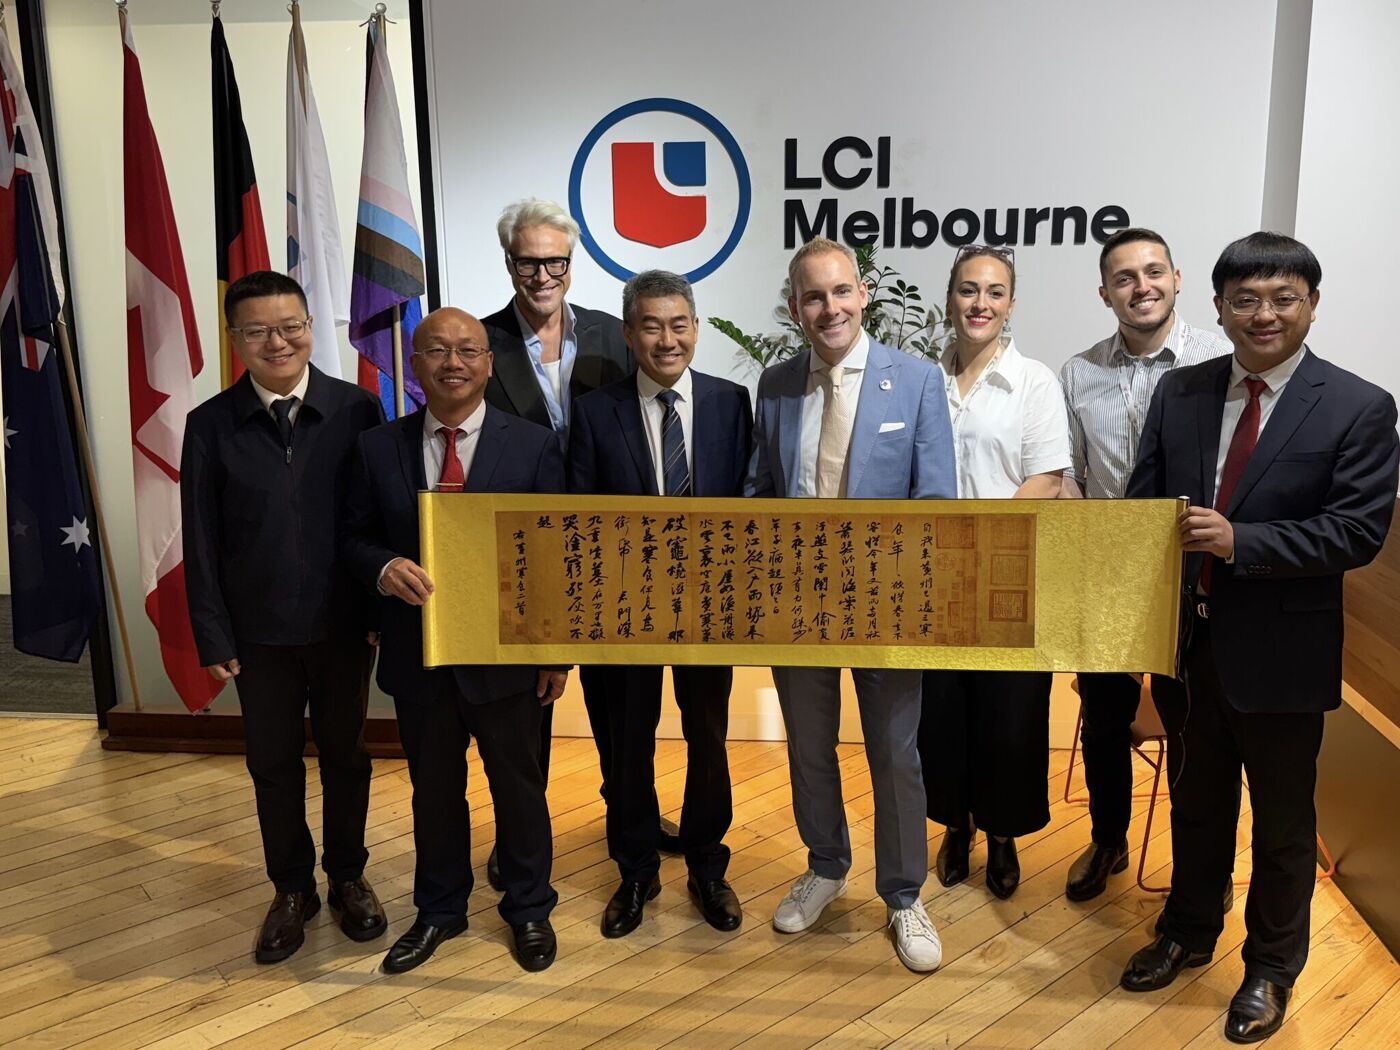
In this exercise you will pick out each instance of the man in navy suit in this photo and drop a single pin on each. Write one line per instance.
(262, 484)
(456, 443)
(548, 353)
(853, 418)
(1290, 466)
(671, 431)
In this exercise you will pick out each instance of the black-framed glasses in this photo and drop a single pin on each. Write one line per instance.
(1249, 305)
(253, 334)
(527, 266)
(469, 355)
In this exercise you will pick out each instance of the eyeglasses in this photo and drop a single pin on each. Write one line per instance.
(438, 355)
(260, 333)
(1007, 254)
(1249, 305)
(524, 266)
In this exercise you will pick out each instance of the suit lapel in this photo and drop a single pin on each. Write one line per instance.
(871, 409)
(410, 447)
(1210, 409)
(1294, 403)
(588, 363)
(701, 415)
(490, 443)
(788, 408)
(628, 409)
(515, 372)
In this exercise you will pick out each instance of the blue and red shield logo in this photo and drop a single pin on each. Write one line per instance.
(675, 182)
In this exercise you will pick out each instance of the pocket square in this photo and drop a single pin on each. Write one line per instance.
(885, 428)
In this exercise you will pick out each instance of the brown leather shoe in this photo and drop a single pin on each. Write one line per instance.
(361, 915)
(281, 933)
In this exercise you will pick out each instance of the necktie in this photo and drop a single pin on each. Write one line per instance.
(675, 473)
(452, 478)
(1242, 444)
(835, 437)
(282, 412)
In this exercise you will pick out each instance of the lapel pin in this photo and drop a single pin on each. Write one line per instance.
(885, 384)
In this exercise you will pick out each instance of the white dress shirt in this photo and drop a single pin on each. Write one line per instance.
(1237, 396)
(1108, 391)
(298, 395)
(654, 412)
(814, 403)
(434, 451)
(1009, 426)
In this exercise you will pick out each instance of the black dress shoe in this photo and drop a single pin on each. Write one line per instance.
(1003, 868)
(1256, 1011)
(668, 837)
(535, 946)
(361, 915)
(1088, 876)
(281, 934)
(1157, 965)
(624, 910)
(953, 863)
(493, 872)
(417, 945)
(717, 902)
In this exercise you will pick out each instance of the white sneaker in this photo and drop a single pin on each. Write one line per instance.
(806, 901)
(915, 940)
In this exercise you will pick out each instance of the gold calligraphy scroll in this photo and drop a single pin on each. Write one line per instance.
(1064, 585)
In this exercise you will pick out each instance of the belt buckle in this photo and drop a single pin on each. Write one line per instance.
(1203, 610)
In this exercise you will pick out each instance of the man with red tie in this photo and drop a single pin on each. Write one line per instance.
(1290, 466)
(456, 443)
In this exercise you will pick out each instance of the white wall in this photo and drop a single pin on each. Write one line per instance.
(1348, 211)
(172, 39)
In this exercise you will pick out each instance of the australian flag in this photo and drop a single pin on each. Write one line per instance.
(53, 569)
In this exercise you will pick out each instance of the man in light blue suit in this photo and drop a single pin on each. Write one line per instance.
(852, 418)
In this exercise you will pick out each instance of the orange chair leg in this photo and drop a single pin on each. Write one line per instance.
(1073, 751)
(1157, 768)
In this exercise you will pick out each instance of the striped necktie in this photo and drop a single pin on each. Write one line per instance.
(675, 472)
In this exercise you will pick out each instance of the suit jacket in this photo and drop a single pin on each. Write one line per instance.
(1315, 500)
(260, 558)
(382, 524)
(602, 358)
(901, 441)
(609, 454)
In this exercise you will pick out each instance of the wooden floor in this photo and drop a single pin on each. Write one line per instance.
(131, 889)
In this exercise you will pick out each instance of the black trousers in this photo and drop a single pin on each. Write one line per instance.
(435, 733)
(599, 683)
(984, 742)
(702, 694)
(276, 685)
(1209, 741)
(1108, 705)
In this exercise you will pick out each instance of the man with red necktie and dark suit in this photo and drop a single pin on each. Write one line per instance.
(1290, 466)
(456, 443)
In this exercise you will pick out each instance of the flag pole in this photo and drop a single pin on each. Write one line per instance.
(80, 417)
(398, 361)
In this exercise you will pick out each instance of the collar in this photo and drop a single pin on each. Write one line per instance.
(266, 396)
(648, 388)
(1170, 349)
(854, 361)
(1007, 369)
(527, 334)
(470, 425)
(1274, 377)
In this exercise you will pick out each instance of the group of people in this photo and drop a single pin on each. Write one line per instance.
(1289, 464)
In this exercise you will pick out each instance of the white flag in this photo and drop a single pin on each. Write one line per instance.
(314, 256)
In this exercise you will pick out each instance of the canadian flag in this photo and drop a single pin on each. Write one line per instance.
(163, 357)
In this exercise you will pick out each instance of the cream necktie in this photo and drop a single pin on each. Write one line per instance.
(837, 416)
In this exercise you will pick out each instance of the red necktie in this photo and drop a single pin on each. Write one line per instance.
(452, 478)
(1242, 444)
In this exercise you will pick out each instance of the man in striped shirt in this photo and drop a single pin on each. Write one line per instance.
(1107, 390)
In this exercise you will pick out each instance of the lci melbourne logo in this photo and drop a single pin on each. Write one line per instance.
(660, 183)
